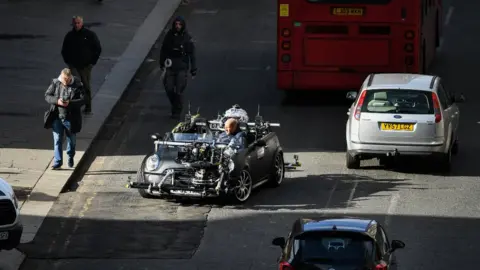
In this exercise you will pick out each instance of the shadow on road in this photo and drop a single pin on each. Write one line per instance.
(138, 244)
(297, 193)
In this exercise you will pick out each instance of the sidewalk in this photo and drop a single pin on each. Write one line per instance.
(31, 36)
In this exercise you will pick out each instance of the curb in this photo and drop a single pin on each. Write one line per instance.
(122, 75)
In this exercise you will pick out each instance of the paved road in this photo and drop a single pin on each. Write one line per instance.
(104, 226)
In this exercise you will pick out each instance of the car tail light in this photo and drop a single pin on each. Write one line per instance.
(436, 108)
(285, 266)
(358, 109)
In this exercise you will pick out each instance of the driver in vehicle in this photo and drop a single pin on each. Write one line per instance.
(233, 135)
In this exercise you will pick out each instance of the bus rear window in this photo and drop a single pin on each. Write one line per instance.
(351, 2)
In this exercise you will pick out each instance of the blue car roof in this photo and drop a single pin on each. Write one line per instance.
(346, 224)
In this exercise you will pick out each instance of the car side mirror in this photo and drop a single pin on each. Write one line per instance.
(352, 95)
(397, 244)
(279, 241)
(261, 143)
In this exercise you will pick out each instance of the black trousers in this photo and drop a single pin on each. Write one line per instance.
(85, 75)
(175, 82)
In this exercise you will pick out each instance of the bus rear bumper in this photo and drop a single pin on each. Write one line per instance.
(309, 80)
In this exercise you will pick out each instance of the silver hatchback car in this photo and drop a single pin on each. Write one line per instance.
(398, 114)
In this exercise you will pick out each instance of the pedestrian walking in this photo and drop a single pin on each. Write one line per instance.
(81, 50)
(66, 96)
(178, 50)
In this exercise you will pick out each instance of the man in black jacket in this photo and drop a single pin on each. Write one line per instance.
(81, 50)
(178, 47)
(65, 96)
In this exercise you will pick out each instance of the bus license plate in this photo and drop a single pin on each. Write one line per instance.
(347, 11)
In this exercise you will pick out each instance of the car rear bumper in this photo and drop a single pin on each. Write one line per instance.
(367, 151)
(14, 236)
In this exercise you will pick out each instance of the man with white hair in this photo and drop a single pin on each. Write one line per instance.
(66, 97)
(233, 135)
(81, 50)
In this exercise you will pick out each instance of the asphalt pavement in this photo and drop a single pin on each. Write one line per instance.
(102, 225)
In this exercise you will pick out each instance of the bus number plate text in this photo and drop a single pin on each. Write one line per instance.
(348, 11)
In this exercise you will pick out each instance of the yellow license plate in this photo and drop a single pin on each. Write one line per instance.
(284, 10)
(347, 11)
(396, 126)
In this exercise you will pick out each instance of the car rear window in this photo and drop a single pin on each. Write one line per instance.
(398, 101)
(334, 247)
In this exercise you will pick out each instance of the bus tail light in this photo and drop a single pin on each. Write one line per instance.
(408, 48)
(358, 109)
(286, 58)
(436, 108)
(409, 35)
(286, 45)
(286, 32)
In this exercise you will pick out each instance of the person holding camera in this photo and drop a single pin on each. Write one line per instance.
(66, 96)
(178, 50)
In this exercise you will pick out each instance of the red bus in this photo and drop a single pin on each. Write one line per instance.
(335, 44)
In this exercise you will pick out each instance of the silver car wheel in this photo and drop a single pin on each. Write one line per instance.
(279, 168)
(244, 187)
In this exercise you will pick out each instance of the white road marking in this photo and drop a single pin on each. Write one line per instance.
(205, 11)
(350, 198)
(448, 16)
(331, 194)
(391, 208)
(264, 41)
(248, 68)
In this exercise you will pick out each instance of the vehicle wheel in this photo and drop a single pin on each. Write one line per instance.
(424, 60)
(243, 188)
(278, 171)
(437, 32)
(446, 162)
(455, 148)
(141, 178)
(352, 162)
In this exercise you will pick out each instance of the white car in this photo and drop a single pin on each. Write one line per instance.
(11, 228)
(399, 114)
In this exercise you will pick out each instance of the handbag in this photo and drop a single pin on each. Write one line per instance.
(48, 117)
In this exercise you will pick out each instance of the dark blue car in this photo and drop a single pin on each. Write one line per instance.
(344, 243)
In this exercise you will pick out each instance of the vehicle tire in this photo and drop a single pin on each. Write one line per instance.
(352, 162)
(437, 32)
(424, 59)
(446, 162)
(455, 148)
(243, 187)
(141, 178)
(278, 170)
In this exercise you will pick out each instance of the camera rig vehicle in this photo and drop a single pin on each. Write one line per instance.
(189, 162)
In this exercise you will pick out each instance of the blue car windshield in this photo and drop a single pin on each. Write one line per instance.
(190, 137)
